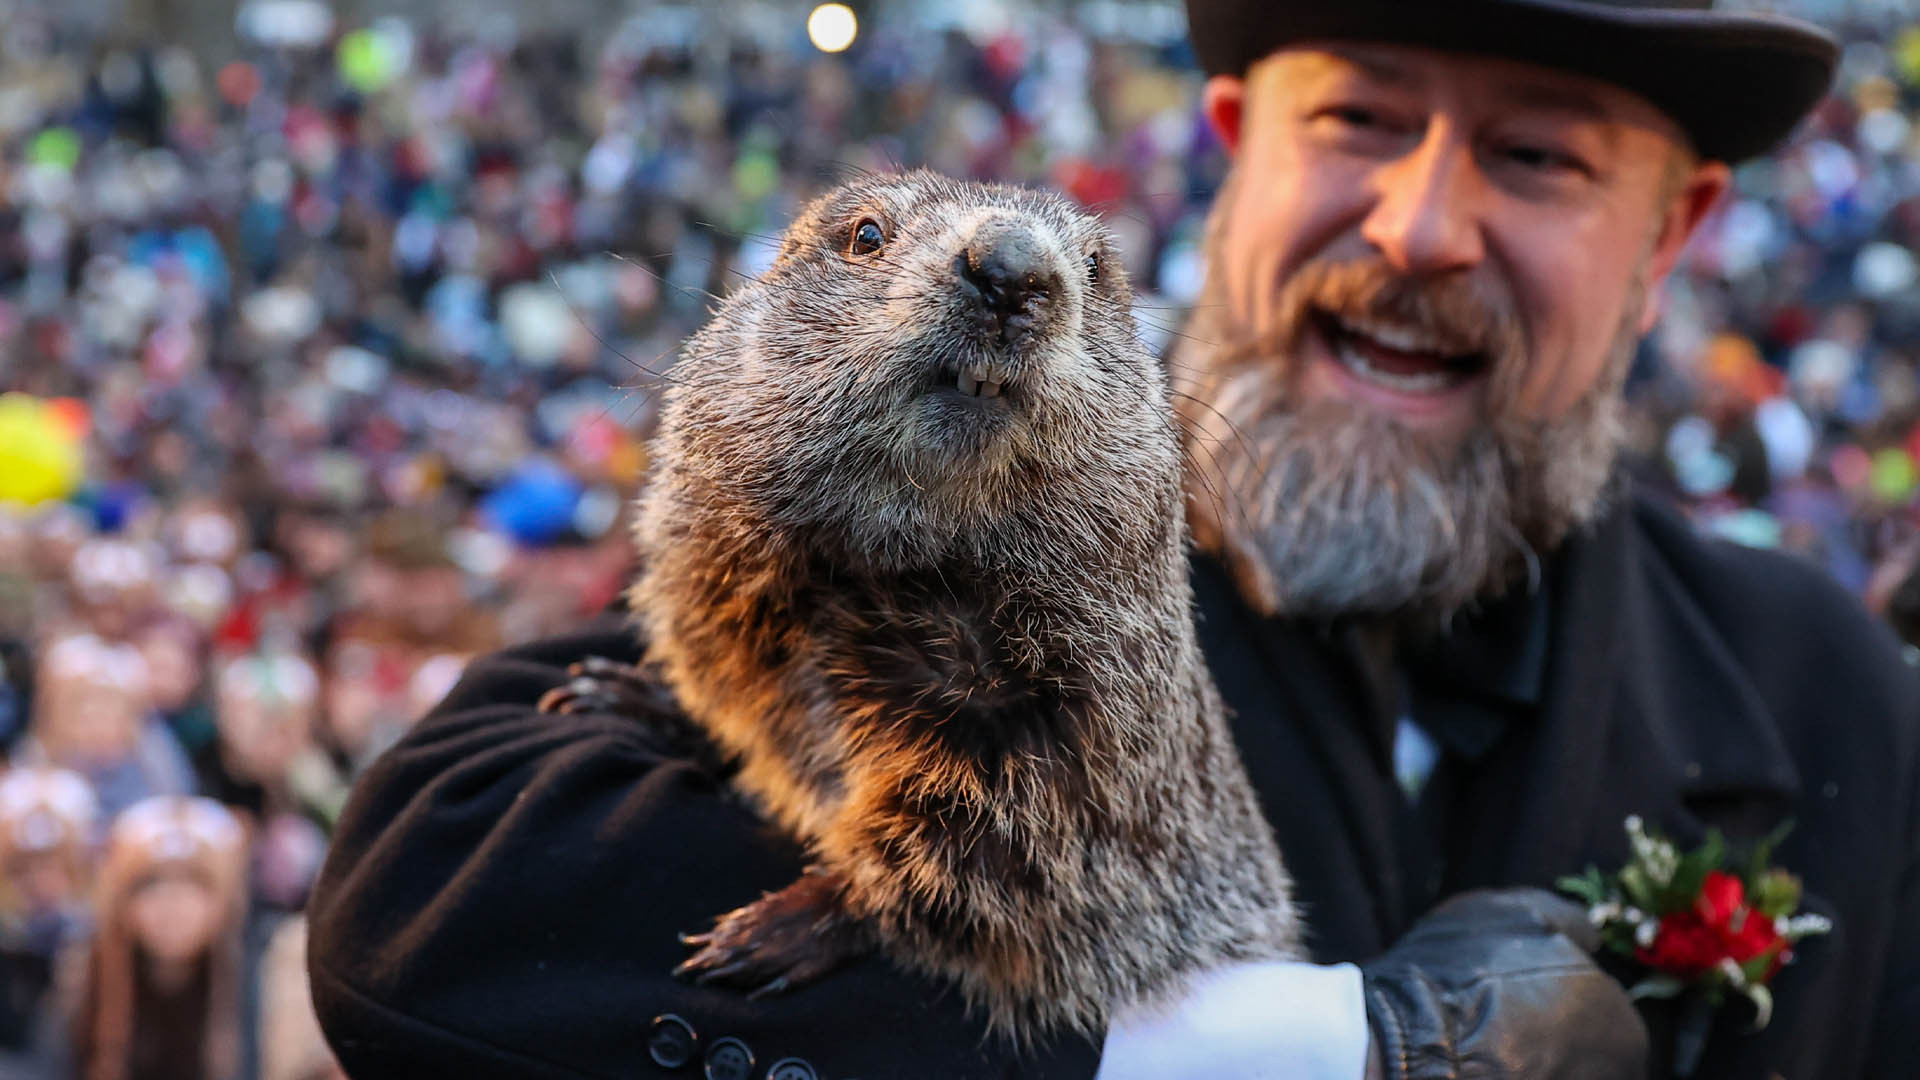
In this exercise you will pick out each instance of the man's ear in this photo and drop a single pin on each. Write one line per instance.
(1687, 206)
(1222, 100)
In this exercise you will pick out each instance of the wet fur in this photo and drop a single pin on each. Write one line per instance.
(957, 659)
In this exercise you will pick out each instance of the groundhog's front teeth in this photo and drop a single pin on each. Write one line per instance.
(982, 380)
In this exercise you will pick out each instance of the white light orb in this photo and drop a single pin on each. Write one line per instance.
(832, 27)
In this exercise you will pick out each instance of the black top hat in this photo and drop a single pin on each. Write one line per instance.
(1736, 83)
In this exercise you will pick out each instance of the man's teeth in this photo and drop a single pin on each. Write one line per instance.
(1427, 382)
(975, 382)
(1398, 338)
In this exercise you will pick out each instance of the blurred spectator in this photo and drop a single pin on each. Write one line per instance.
(159, 993)
(94, 715)
(291, 1046)
(48, 823)
(265, 707)
(365, 711)
(113, 585)
(1894, 592)
(266, 759)
(175, 651)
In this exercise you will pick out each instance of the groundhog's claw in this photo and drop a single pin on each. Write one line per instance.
(777, 986)
(600, 685)
(783, 940)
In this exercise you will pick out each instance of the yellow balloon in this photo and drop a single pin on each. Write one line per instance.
(40, 457)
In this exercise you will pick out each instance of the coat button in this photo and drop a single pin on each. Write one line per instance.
(729, 1059)
(791, 1069)
(671, 1041)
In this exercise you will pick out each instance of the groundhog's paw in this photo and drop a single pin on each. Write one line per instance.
(601, 685)
(783, 940)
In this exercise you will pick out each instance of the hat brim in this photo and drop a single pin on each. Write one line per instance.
(1735, 83)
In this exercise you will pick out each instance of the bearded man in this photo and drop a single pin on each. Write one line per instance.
(1460, 649)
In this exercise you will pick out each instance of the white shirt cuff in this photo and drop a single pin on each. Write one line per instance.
(1271, 1019)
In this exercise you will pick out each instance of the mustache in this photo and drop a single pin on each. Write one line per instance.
(1456, 315)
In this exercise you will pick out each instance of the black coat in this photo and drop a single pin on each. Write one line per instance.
(505, 887)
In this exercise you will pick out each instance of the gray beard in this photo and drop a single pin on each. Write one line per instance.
(1333, 509)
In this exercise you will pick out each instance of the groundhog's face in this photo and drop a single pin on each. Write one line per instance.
(925, 353)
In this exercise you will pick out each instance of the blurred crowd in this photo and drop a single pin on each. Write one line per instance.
(327, 361)
(1779, 398)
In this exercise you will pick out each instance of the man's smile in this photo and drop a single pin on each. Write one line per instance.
(1406, 371)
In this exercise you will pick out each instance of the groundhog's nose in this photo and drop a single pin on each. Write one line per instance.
(1007, 270)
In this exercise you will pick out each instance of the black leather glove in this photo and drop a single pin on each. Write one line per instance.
(1501, 984)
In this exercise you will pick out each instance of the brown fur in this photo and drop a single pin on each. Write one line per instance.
(953, 650)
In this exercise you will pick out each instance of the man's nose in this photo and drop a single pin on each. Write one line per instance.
(1426, 218)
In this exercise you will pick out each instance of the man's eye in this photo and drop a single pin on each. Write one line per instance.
(1358, 126)
(1541, 158)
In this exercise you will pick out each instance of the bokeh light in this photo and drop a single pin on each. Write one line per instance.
(832, 27)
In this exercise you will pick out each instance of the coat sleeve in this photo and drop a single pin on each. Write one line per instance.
(504, 892)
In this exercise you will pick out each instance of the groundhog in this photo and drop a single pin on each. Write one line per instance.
(914, 560)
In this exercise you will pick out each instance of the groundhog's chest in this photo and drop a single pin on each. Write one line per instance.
(974, 670)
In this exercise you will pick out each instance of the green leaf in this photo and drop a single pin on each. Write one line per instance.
(1590, 886)
(1692, 874)
(1755, 969)
(1762, 855)
(1657, 986)
(1715, 849)
(1777, 837)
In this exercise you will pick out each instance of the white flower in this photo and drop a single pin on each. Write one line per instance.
(1602, 914)
(1732, 971)
(1802, 925)
(1638, 839)
(1644, 934)
(1658, 858)
(1661, 862)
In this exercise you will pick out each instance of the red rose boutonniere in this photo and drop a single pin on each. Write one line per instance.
(1696, 921)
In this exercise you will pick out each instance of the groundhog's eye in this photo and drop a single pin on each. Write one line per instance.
(867, 238)
(1093, 268)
